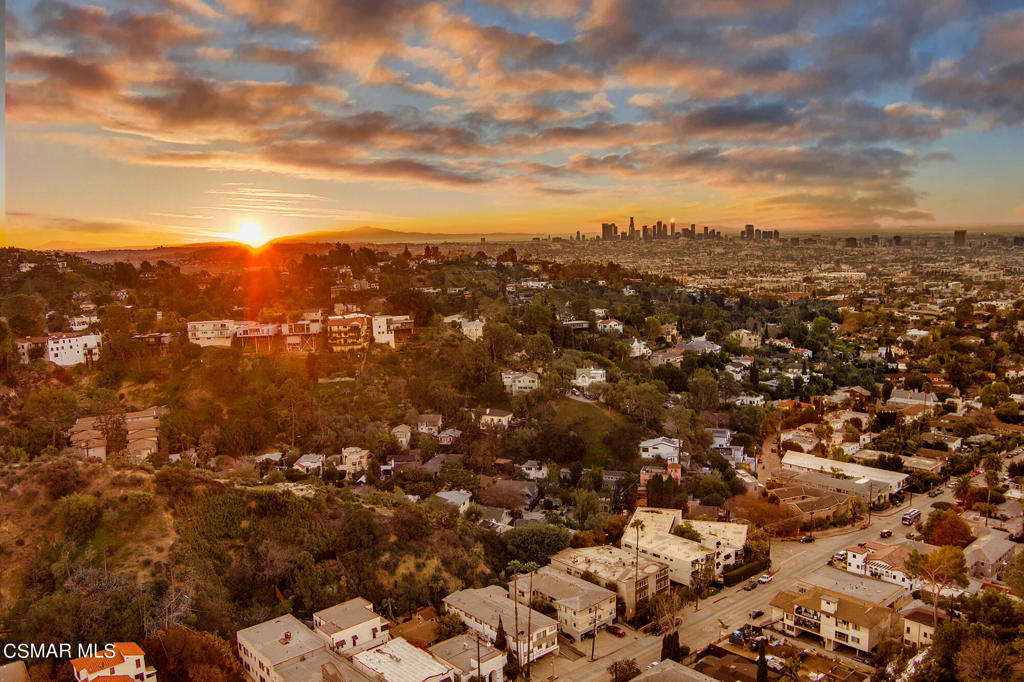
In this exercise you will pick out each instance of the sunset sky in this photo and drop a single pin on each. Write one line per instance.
(143, 122)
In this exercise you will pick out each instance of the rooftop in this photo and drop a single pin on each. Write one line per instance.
(280, 639)
(399, 661)
(345, 615)
(461, 652)
(852, 585)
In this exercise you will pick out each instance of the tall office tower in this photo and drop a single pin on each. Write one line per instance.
(959, 237)
(705, 231)
(850, 242)
(749, 231)
(577, 235)
(606, 230)
(673, 223)
(757, 234)
(776, 235)
(644, 232)
(630, 223)
(657, 229)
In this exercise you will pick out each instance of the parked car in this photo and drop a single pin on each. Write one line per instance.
(885, 534)
(951, 485)
(616, 630)
(756, 613)
(807, 538)
(934, 492)
(765, 579)
(750, 585)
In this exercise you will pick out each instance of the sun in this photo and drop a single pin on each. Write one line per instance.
(251, 234)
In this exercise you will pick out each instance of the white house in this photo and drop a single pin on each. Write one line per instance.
(393, 330)
(748, 399)
(211, 332)
(351, 626)
(609, 326)
(664, 447)
(517, 383)
(80, 323)
(473, 329)
(493, 418)
(589, 375)
(310, 463)
(69, 349)
(535, 470)
(127, 661)
(457, 498)
(429, 424)
(403, 434)
(639, 349)
(448, 436)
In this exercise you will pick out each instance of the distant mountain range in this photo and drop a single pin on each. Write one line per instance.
(380, 235)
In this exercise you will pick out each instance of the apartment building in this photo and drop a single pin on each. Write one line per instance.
(399, 661)
(127, 662)
(284, 650)
(580, 606)
(835, 619)
(351, 626)
(614, 566)
(62, 348)
(721, 543)
(530, 633)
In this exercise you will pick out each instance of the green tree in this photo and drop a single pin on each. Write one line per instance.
(55, 406)
(78, 515)
(939, 569)
(500, 339)
(624, 669)
(449, 625)
(185, 655)
(536, 542)
(762, 662)
(24, 315)
(994, 393)
(1014, 575)
(945, 527)
(500, 638)
(670, 647)
(704, 389)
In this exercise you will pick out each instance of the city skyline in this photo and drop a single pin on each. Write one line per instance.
(176, 121)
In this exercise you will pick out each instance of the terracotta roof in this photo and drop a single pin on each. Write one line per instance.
(93, 664)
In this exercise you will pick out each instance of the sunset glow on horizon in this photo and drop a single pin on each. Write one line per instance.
(173, 121)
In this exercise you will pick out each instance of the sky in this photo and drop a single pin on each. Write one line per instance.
(144, 122)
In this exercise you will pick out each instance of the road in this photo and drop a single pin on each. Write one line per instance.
(729, 609)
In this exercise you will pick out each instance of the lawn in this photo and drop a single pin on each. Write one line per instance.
(593, 422)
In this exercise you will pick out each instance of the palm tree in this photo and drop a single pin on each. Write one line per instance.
(638, 524)
(962, 488)
(992, 463)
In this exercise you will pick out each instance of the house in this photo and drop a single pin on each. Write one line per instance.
(284, 650)
(535, 470)
(256, 337)
(612, 565)
(901, 398)
(495, 419)
(755, 399)
(126, 662)
(884, 562)
(699, 344)
(988, 556)
(310, 463)
(666, 448)
(394, 330)
(610, 326)
(449, 436)
(351, 626)
(517, 383)
(530, 633)
(919, 624)
(672, 470)
(460, 499)
(746, 339)
(80, 323)
(639, 349)
(473, 329)
(836, 619)
(30, 347)
(403, 434)
(399, 661)
(429, 424)
(589, 375)
(580, 606)
(142, 431)
(211, 332)
(353, 460)
(471, 658)
(300, 337)
(349, 332)
(62, 348)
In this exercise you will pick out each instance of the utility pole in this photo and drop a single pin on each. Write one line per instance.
(529, 632)
(593, 641)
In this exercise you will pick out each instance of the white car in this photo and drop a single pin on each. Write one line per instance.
(766, 578)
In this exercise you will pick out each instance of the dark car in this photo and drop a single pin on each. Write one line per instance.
(885, 534)
(756, 613)
(750, 585)
(615, 630)
(807, 538)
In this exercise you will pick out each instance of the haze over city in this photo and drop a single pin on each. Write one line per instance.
(173, 121)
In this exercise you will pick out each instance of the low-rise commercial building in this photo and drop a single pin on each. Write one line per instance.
(890, 482)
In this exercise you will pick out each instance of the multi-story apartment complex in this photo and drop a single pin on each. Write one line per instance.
(615, 566)
(580, 606)
(833, 617)
(530, 633)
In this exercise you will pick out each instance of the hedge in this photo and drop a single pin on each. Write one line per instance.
(738, 575)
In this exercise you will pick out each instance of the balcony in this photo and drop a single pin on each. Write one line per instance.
(807, 624)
